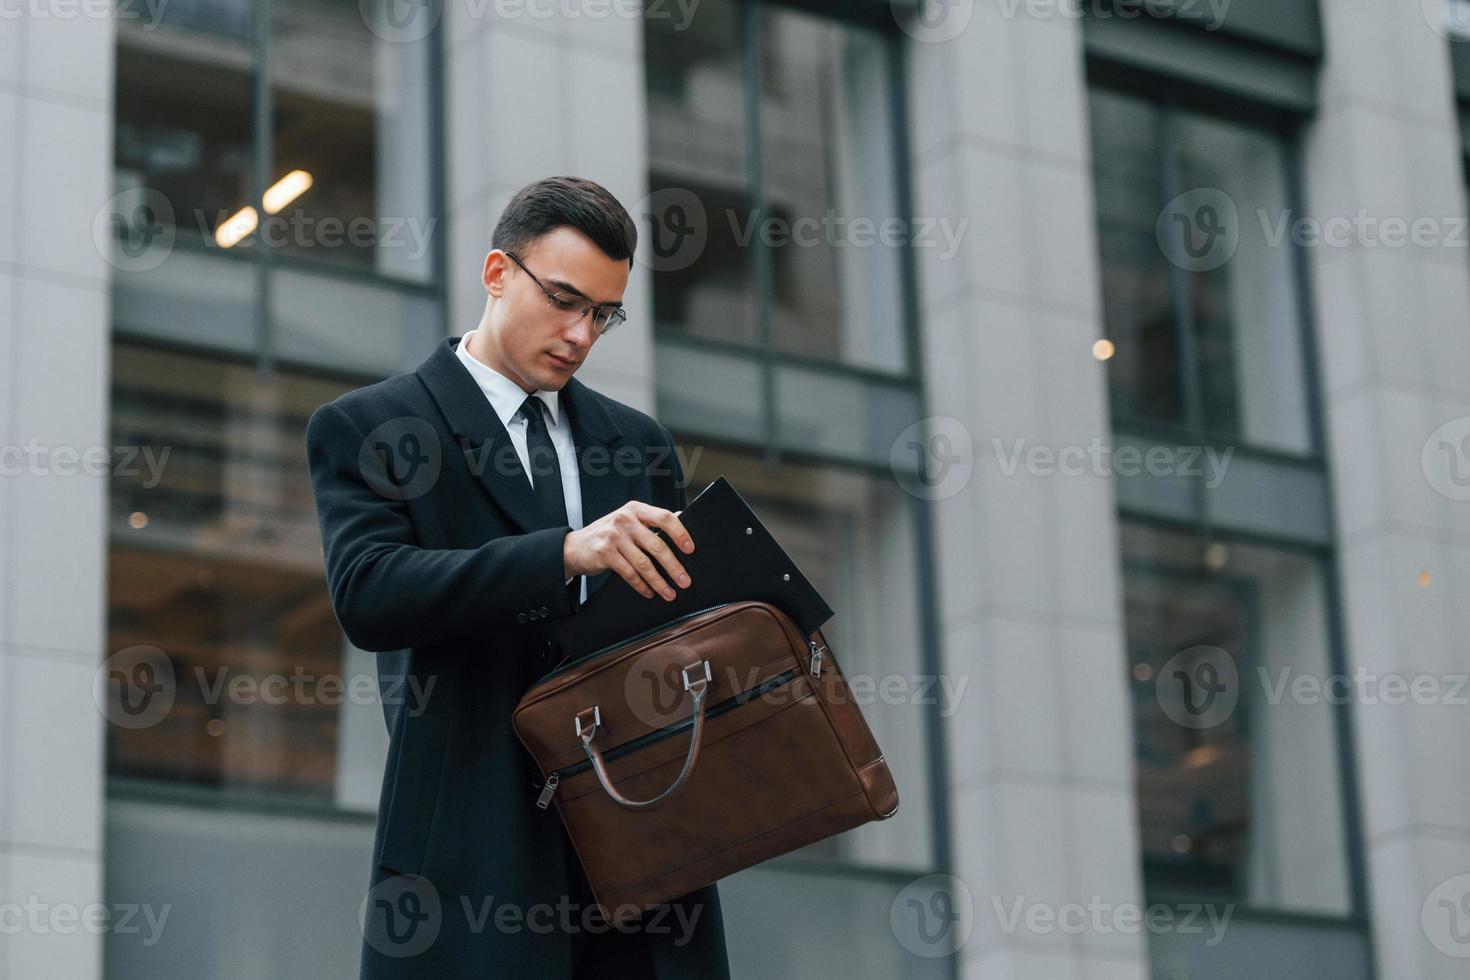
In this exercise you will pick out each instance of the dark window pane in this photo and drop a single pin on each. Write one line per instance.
(1143, 373)
(1245, 313)
(184, 113)
(215, 561)
(351, 112)
(830, 191)
(1162, 171)
(1219, 635)
(702, 279)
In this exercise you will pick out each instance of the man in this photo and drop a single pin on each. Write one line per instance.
(464, 506)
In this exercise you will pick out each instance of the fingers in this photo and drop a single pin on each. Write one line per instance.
(659, 550)
(645, 571)
(629, 574)
(667, 521)
(647, 553)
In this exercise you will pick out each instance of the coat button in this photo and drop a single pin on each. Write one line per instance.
(542, 611)
(520, 617)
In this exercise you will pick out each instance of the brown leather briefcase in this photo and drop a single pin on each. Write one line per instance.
(703, 747)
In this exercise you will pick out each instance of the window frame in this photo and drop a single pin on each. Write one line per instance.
(265, 259)
(1288, 128)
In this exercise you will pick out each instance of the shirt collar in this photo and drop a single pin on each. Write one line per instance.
(505, 396)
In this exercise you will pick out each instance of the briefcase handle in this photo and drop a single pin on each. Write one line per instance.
(699, 687)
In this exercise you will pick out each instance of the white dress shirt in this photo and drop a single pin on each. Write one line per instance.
(506, 398)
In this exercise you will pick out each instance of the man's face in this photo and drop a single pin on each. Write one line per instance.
(534, 343)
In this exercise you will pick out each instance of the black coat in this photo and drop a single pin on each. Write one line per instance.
(437, 559)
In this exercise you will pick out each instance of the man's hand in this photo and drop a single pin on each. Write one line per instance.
(623, 541)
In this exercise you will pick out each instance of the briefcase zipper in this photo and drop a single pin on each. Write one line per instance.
(663, 734)
(544, 800)
(816, 663)
(569, 664)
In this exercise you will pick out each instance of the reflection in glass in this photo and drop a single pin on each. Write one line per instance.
(1217, 634)
(184, 111)
(830, 189)
(696, 133)
(1245, 313)
(1143, 374)
(351, 111)
(1246, 376)
(215, 559)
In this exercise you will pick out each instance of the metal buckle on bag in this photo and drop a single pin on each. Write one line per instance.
(596, 720)
(684, 672)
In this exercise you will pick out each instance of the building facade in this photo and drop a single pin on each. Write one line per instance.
(1106, 366)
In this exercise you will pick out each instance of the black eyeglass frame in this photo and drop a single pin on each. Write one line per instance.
(610, 314)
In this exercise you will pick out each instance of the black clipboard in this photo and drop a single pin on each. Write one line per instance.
(735, 559)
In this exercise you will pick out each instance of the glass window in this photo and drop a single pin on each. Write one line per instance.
(215, 564)
(853, 536)
(349, 112)
(327, 158)
(1144, 371)
(1220, 635)
(184, 113)
(1200, 286)
(790, 169)
(829, 174)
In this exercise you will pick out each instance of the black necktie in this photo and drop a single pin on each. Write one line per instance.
(546, 475)
(545, 466)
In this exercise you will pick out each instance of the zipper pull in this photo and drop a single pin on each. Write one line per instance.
(816, 667)
(544, 800)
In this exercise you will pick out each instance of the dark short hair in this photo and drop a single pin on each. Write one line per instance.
(566, 202)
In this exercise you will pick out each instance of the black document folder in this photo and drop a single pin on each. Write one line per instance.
(735, 559)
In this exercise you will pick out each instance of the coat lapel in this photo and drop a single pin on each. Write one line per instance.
(483, 440)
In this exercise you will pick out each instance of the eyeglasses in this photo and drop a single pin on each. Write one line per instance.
(604, 319)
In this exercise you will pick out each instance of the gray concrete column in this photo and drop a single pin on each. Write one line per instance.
(1043, 807)
(55, 355)
(1394, 333)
